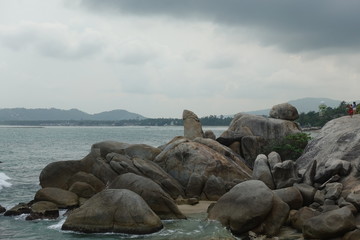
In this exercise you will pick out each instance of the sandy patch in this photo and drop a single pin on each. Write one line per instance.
(201, 207)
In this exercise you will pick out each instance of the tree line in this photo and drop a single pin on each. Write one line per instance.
(320, 118)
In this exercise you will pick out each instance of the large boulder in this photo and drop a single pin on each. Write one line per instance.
(182, 158)
(330, 224)
(338, 140)
(284, 111)
(255, 133)
(157, 199)
(192, 125)
(114, 210)
(244, 207)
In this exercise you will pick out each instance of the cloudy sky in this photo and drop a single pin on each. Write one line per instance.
(159, 57)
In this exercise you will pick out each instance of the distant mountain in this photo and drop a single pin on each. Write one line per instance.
(305, 105)
(53, 114)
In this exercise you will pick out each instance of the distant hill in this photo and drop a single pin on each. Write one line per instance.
(305, 105)
(53, 114)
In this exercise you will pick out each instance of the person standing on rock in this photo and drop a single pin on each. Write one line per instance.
(350, 109)
(354, 107)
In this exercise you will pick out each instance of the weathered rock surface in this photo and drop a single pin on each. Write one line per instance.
(285, 174)
(114, 210)
(43, 210)
(339, 139)
(298, 218)
(254, 132)
(330, 224)
(18, 209)
(262, 171)
(157, 199)
(146, 168)
(182, 158)
(192, 125)
(291, 196)
(244, 207)
(284, 111)
(62, 198)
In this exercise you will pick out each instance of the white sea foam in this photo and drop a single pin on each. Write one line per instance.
(3, 180)
(58, 225)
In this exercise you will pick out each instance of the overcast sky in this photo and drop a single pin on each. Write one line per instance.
(159, 57)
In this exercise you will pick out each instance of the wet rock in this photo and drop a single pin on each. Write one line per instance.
(114, 210)
(62, 198)
(18, 209)
(43, 210)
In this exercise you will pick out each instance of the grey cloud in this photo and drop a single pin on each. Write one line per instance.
(51, 40)
(292, 25)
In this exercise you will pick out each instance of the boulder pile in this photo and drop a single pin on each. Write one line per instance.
(131, 188)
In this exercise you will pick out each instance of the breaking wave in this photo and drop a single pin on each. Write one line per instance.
(3, 181)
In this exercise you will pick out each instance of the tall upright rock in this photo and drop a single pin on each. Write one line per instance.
(192, 125)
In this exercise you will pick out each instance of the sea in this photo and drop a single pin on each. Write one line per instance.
(25, 151)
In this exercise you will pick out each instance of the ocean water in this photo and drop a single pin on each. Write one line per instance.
(25, 151)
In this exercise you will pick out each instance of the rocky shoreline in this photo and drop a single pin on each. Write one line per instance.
(131, 188)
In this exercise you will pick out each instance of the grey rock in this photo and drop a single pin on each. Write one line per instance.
(275, 220)
(157, 199)
(262, 172)
(209, 134)
(83, 189)
(284, 111)
(307, 192)
(285, 174)
(333, 190)
(244, 207)
(192, 125)
(183, 158)
(330, 224)
(214, 188)
(298, 219)
(18, 209)
(195, 185)
(290, 195)
(43, 210)
(62, 198)
(114, 210)
(354, 198)
(338, 139)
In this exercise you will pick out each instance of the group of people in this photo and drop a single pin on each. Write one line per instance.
(351, 109)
